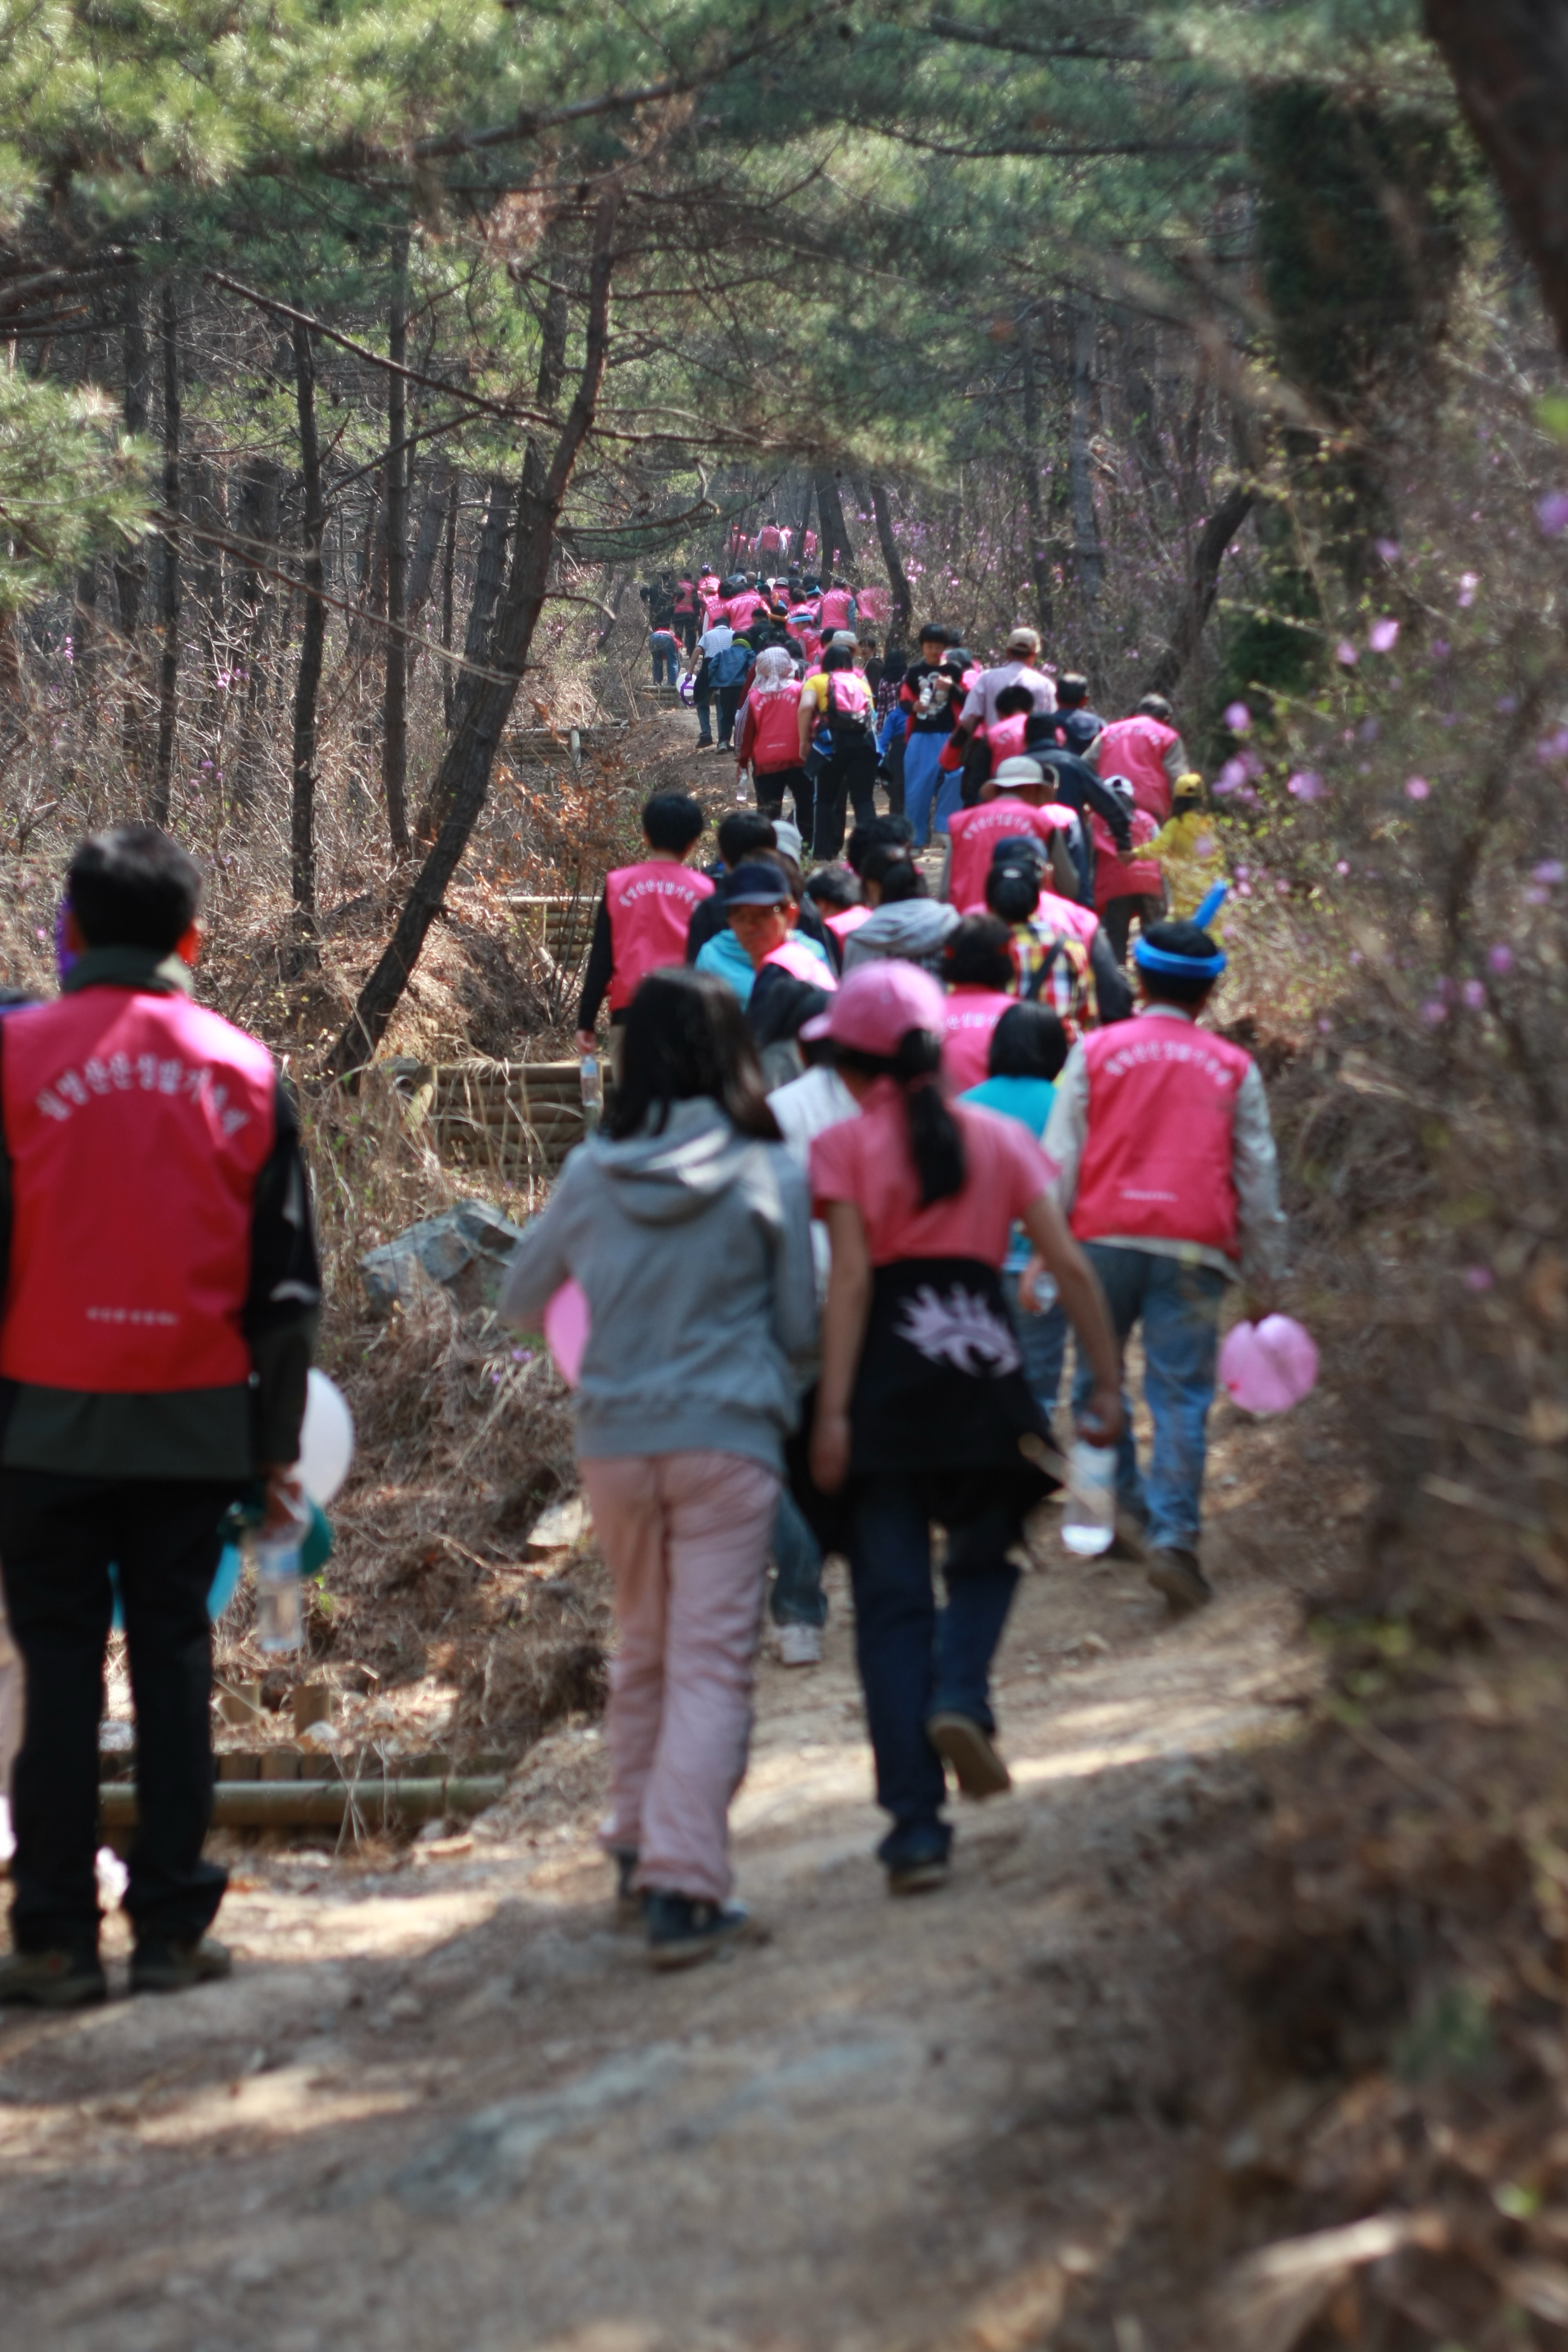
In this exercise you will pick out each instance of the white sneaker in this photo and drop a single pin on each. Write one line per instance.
(798, 1645)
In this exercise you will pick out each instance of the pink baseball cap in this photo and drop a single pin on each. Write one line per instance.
(878, 1004)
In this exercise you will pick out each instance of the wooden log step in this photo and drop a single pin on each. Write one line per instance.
(303, 1804)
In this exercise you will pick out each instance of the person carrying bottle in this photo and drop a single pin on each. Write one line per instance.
(686, 1225)
(769, 742)
(160, 1292)
(1028, 1046)
(922, 1413)
(642, 918)
(1165, 1160)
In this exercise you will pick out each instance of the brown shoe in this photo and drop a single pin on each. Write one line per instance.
(961, 1742)
(53, 1980)
(1175, 1572)
(160, 1967)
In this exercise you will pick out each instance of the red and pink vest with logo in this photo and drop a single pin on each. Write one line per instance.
(651, 907)
(795, 957)
(739, 611)
(137, 1126)
(776, 718)
(835, 603)
(1112, 879)
(1136, 748)
(974, 833)
(848, 920)
(971, 1014)
(1158, 1154)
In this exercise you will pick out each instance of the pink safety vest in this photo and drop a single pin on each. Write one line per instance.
(1061, 914)
(974, 833)
(796, 957)
(1136, 748)
(137, 1126)
(768, 538)
(651, 906)
(835, 603)
(1157, 1158)
(740, 609)
(775, 715)
(1005, 738)
(1140, 876)
(848, 920)
(971, 1016)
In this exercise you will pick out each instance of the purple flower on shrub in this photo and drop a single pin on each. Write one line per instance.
(1506, 704)
(1552, 747)
(1434, 1011)
(1441, 648)
(1500, 959)
(1478, 1277)
(1550, 869)
(1388, 548)
(1552, 514)
(1417, 788)
(1474, 993)
(1370, 730)
(1341, 866)
(1307, 786)
(1346, 653)
(1383, 635)
(1469, 582)
(1237, 717)
(1231, 777)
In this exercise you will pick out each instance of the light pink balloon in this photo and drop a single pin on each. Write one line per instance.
(1267, 1367)
(566, 1329)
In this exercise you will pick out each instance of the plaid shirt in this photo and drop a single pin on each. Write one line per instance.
(1067, 988)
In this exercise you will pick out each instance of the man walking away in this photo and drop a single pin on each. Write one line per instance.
(159, 1307)
(642, 918)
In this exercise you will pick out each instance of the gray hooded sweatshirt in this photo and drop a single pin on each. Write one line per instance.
(914, 931)
(694, 1249)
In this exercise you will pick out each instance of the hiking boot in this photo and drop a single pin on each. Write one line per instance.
(919, 1873)
(157, 1966)
(628, 1897)
(685, 1929)
(798, 1645)
(1174, 1571)
(967, 1746)
(53, 1980)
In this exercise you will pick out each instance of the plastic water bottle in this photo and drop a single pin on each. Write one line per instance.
(593, 1091)
(279, 1607)
(1088, 1522)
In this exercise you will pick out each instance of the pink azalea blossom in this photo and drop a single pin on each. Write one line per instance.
(1383, 635)
(1307, 786)
(1474, 993)
(1346, 653)
(1341, 866)
(1434, 1011)
(1237, 717)
(1552, 514)
(1500, 959)
(1550, 869)
(1469, 582)
(1478, 1277)
(1417, 788)
(1388, 548)
(1231, 777)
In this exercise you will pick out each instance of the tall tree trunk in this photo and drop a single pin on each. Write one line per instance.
(1208, 554)
(426, 548)
(169, 616)
(131, 572)
(1509, 59)
(394, 738)
(804, 519)
(257, 532)
(1085, 520)
(448, 582)
(307, 686)
(1034, 505)
(898, 579)
(837, 554)
(465, 776)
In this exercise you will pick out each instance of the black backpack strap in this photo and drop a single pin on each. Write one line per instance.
(1043, 972)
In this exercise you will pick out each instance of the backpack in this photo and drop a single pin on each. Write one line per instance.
(852, 726)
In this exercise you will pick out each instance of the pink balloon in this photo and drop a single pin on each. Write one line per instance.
(1267, 1367)
(566, 1329)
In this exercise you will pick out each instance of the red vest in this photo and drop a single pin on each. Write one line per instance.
(775, 715)
(768, 538)
(971, 1014)
(1112, 879)
(1136, 748)
(137, 1126)
(1162, 1114)
(836, 606)
(651, 906)
(975, 831)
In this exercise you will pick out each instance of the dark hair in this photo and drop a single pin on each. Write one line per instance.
(976, 954)
(1155, 706)
(880, 859)
(1182, 939)
(879, 831)
(1014, 701)
(1012, 892)
(901, 879)
(1072, 687)
(933, 633)
(837, 657)
(895, 662)
(132, 886)
(743, 830)
(686, 1038)
(1028, 1041)
(670, 821)
(831, 886)
(936, 1139)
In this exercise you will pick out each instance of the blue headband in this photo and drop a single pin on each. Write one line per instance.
(1183, 967)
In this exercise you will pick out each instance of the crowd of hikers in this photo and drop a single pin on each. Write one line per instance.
(903, 1109)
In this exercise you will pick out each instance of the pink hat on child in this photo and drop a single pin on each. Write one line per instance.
(878, 1004)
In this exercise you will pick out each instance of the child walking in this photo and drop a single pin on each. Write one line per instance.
(687, 1226)
(923, 1412)
(1166, 1161)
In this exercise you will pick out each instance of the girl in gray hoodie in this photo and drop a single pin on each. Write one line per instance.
(687, 1226)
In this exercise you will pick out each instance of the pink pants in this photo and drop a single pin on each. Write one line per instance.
(686, 1535)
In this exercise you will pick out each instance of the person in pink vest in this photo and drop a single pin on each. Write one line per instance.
(713, 602)
(809, 543)
(769, 740)
(1160, 1134)
(977, 966)
(761, 917)
(837, 607)
(742, 608)
(1147, 749)
(1125, 887)
(642, 918)
(161, 1293)
(1017, 807)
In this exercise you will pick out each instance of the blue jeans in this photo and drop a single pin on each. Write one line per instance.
(665, 648)
(923, 780)
(1042, 1342)
(798, 1597)
(1178, 1306)
(915, 1660)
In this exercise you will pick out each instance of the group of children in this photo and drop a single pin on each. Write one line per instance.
(929, 1139)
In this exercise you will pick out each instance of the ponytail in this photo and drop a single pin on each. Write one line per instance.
(936, 1139)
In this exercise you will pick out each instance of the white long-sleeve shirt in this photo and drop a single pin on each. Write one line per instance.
(1254, 1167)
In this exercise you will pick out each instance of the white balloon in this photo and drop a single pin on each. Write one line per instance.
(326, 1441)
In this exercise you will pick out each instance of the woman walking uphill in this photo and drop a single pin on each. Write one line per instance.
(923, 1412)
(686, 1226)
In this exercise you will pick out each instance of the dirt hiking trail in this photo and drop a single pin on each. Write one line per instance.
(444, 2103)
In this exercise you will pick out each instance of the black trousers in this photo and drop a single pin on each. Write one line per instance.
(770, 787)
(58, 1538)
(847, 776)
(1117, 919)
(730, 700)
